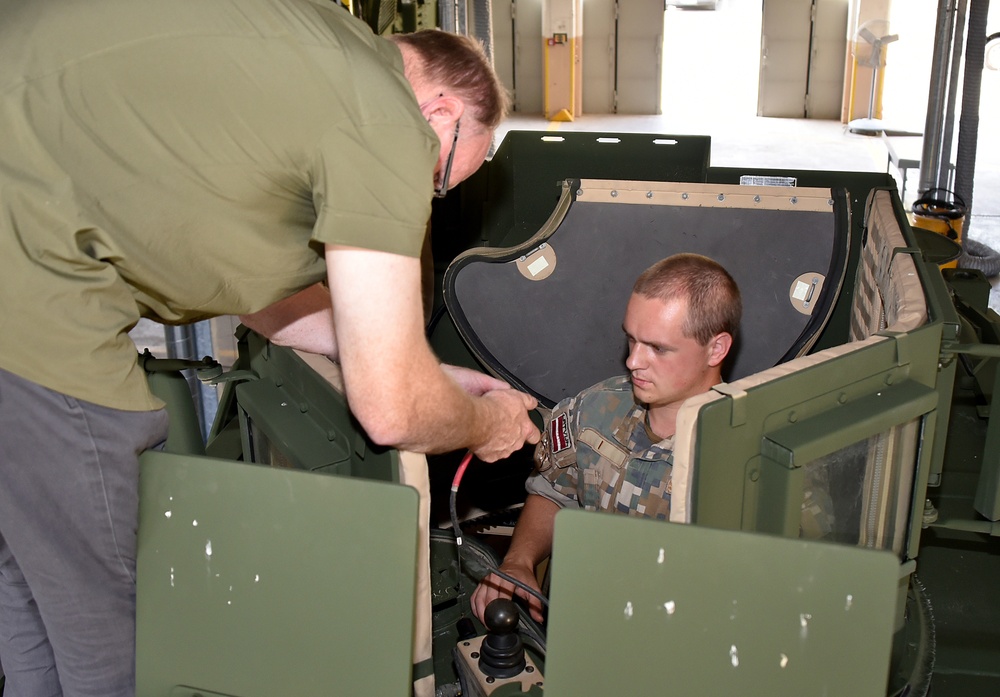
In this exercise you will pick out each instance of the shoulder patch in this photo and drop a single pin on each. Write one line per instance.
(559, 437)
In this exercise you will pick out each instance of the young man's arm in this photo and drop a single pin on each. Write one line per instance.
(531, 543)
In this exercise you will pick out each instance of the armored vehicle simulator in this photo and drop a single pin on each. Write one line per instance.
(834, 504)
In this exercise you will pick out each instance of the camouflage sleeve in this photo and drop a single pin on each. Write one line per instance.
(537, 484)
(556, 473)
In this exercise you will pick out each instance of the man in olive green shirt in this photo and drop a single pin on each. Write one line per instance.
(185, 159)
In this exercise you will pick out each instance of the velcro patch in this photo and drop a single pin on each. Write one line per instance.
(559, 439)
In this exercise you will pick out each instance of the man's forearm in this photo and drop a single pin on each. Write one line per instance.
(302, 321)
(395, 385)
(532, 540)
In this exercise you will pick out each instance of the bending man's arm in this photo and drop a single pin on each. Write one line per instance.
(395, 386)
(531, 543)
(303, 321)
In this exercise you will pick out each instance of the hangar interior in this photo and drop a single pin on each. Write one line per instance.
(776, 86)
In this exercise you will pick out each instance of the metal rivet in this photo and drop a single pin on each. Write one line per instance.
(842, 398)
(722, 197)
(754, 475)
(794, 199)
(542, 245)
(829, 202)
(649, 194)
(684, 196)
(614, 194)
(529, 669)
(465, 643)
(792, 417)
(579, 192)
(474, 654)
(888, 379)
(522, 258)
(756, 199)
(490, 679)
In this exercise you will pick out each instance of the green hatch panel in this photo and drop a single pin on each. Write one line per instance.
(268, 581)
(715, 612)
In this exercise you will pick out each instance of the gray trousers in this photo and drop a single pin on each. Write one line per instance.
(68, 518)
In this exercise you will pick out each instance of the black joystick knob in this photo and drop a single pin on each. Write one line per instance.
(502, 653)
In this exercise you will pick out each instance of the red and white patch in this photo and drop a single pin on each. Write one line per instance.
(559, 439)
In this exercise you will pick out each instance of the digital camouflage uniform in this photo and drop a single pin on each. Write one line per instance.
(597, 453)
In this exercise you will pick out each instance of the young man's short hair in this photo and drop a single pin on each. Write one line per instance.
(714, 304)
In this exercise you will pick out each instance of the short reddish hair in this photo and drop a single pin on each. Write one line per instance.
(460, 64)
(714, 303)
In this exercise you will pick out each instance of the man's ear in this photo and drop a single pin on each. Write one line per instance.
(443, 109)
(718, 348)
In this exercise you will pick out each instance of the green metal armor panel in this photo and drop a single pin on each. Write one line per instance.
(644, 607)
(270, 581)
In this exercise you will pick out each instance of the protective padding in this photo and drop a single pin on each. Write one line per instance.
(546, 315)
(888, 295)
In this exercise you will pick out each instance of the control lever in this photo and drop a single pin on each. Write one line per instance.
(497, 660)
(502, 652)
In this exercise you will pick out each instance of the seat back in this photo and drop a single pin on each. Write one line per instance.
(546, 315)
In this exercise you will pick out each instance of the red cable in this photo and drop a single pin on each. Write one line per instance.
(461, 471)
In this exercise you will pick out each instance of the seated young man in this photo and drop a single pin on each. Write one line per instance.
(610, 448)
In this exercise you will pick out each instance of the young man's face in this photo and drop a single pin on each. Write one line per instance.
(666, 366)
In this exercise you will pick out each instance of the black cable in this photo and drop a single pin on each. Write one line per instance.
(453, 510)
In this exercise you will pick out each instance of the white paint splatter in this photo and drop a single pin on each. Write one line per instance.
(256, 578)
(804, 622)
(167, 514)
(208, 548)
(670, 607)
(194, 523)
(784, 661)
(171, 577)
(628, 610)
(734, 656)
(849, 602)
(659, 559)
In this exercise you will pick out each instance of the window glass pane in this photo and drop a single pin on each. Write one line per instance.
(860, 494)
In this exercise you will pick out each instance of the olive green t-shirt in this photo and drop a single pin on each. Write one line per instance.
(182, 159)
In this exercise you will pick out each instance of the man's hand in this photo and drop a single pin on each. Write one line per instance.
(493, 587)
(472, 381)
(510, 427)
(395, 385)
